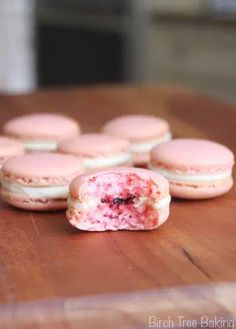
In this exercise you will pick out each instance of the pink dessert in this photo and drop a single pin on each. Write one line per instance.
(39, 181)
(142, 131)
(98, 151)
(195, 168)
(118, 199)
(41, 131)
(8, 148)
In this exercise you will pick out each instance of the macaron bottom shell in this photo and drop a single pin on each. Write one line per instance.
(34, 204)
(80, 221)
(199, 191)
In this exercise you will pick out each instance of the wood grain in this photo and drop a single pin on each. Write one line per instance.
(45, 260)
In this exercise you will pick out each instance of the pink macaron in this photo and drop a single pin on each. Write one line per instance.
(195, 168)
(118, 199)
(41, 131)
(142, 131)
(8, 148)
(39, 181)
(98, 151)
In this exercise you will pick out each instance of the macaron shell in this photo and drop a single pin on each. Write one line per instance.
(43, 166)
(81, 223)
(75, 186)
(137, 128)
(42, 126)
(26, 203)
(10, 147)
(192, 155)
(94, 145)
(200, 191)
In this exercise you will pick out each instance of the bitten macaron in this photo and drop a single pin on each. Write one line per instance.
(142, 131)
(195, 168)
(9, 147)
(39, 181)
(118, 199)
(41, 131)
(98, 151)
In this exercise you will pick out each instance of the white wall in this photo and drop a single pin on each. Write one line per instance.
(17, 54)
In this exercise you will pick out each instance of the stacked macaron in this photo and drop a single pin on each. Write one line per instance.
(94, 171)
(195, 168)
(98, 151)
(41, 131)
(142, 131)
(39, 181)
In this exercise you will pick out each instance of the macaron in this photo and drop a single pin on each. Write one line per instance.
(195, 168)
(39, 181)
(41, 131)
(118, 199)
(98, 151)
(8, 148)
(142, 131)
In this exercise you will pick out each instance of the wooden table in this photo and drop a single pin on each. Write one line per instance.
(53, 276)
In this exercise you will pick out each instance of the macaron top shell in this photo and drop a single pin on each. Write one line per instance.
(192, 155)
(161, 181)
(10, 147)
(42, 126)
(41, 168)
(136, 127)
(94, 145)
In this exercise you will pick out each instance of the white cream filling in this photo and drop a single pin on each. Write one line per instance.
(83, 206)
(50, 192)
(107, 161)
(32, 145)
(200, 178)
(147, 146)
(163, 203)
(93, 203)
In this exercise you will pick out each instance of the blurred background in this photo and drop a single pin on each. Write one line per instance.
(48, 43)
